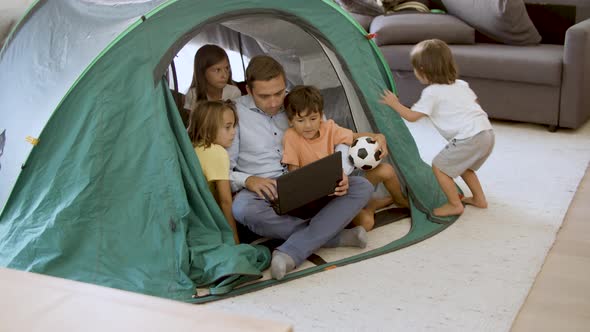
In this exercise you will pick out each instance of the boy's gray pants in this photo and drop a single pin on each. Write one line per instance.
(303, 237)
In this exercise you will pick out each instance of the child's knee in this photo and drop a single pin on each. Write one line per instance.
(384, 171)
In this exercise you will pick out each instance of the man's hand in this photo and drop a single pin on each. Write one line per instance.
(342, 188)
(262, 186)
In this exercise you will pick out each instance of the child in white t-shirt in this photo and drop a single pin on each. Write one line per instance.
(454, 110)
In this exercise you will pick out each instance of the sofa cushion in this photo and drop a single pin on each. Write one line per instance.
(505, 21)
(5, 28)
(537, 64)
(363, 7)
(411, 28)
(8, 18)
(363, 20)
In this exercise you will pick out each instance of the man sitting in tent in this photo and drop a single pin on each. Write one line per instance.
(256, 160)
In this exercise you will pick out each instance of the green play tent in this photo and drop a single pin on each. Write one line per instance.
(98, 179)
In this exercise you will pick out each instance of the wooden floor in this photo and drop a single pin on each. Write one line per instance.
(560, 297)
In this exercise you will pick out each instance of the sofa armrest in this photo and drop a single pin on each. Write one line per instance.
(363, 20)
(8, 18)
(575, 99)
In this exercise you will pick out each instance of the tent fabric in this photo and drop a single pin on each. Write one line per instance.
(113, 193)
(134, 214)
(41, 60)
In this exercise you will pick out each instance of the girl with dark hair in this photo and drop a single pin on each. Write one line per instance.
(211, 77)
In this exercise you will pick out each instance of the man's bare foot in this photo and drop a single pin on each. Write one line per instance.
(365, 218)
(477, 202)
(448, 210)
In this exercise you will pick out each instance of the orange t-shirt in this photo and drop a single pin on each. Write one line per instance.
(300, 151)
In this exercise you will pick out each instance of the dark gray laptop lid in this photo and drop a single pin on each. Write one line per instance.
(309, 183)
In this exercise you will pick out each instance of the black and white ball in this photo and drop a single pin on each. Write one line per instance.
(364, 153)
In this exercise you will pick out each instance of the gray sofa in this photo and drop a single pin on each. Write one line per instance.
(546, 83)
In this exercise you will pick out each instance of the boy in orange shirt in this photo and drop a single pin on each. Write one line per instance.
(311, 138)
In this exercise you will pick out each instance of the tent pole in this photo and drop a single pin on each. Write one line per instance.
(174, 78)
(241, 53)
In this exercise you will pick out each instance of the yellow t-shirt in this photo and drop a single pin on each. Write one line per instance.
(215, 164)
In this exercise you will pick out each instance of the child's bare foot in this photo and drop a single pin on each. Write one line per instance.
(448, 210)
(365, 218)
(477, 202)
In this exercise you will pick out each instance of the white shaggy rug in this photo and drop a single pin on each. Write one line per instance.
(475, 275)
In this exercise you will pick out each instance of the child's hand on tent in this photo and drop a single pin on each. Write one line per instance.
(390, 99)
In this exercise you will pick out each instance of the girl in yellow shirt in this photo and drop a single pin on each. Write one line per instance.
(212, 128)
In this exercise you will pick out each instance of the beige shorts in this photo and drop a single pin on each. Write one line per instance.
(463, 154)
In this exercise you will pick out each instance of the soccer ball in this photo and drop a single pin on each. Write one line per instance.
(364, 153)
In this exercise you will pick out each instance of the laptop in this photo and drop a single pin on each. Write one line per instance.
(305, 191)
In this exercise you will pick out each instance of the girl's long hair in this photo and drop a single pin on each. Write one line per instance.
(207, 56)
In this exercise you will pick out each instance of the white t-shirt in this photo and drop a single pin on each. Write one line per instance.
(453, 110)
(229, 92)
